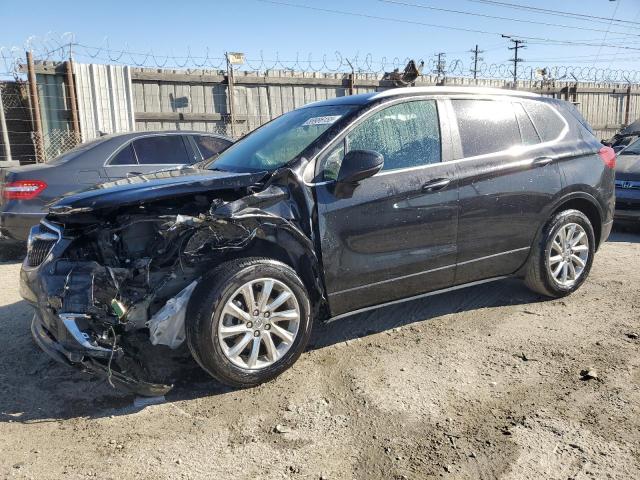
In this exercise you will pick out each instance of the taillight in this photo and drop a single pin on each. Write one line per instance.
(23, 189)
(608, 156)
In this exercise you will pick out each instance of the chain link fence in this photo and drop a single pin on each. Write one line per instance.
(197, 96)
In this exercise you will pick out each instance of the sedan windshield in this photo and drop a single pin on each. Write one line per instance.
(279, 141)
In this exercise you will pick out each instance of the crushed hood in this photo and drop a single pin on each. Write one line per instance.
(151, 187)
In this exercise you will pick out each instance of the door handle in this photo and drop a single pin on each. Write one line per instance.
(133, 174)
(542, 161)
(436, 184)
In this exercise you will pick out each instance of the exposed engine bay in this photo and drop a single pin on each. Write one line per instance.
(120, 278)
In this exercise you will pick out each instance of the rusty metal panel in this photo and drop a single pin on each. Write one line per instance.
(105, 99)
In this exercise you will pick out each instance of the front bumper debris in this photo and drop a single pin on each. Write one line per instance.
(110, 284)
(89, 358)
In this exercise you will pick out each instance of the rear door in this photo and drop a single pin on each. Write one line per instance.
(395, 237)
(149, 154)
(507, 177)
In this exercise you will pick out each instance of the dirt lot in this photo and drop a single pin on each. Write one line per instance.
(481, 383)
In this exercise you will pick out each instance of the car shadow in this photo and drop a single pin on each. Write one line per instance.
(38, 389)
(624, 234)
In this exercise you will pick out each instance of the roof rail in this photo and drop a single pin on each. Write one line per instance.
(452, 90)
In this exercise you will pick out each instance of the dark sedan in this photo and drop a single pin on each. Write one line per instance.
(26, 191)
(628, 185)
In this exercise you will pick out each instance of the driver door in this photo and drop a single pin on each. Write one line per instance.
(395, 237)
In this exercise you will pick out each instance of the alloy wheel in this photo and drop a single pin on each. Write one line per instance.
(568, 254)
(259, 323)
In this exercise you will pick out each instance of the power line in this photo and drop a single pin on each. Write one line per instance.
(483, 15)
(604, 39)
(615, 55)
(432, 25)
(589, 56)
(548, 11)
(590, 61)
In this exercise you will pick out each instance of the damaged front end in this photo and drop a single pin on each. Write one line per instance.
(110, 273)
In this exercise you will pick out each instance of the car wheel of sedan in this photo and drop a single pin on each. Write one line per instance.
(248, 321)
(561, 258)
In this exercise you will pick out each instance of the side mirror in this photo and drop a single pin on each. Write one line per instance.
(358, 165)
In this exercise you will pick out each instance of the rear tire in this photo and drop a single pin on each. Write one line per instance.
(561, 258)
(237, 336)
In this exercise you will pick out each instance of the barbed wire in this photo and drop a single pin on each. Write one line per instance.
(59, 47)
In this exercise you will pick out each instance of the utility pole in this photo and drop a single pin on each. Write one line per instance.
(476, 58)
(5, 132)
(230, 96)
(440, 67)
(517, 45)
(35, 109)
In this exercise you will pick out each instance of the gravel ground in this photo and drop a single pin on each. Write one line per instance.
(482, 383)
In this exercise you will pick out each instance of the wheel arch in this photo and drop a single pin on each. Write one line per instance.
(584, 203)
(282, 246)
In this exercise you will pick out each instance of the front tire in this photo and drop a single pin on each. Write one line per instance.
(562, 256)
(248, 321)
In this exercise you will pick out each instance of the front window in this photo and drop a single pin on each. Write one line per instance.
(406, 134)
(281, 140)
(161, 150)
(210, 146)
(633, 149)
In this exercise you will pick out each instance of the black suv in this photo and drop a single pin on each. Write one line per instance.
(335, 208)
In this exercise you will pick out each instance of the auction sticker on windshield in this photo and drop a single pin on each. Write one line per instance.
(326, 120)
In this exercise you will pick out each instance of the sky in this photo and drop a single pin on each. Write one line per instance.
(303, 29)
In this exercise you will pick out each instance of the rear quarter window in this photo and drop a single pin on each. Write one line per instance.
(549, 124)
(124, 157)
(486, 126)
(573, 111)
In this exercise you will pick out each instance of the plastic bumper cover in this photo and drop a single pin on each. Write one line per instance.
(87, 357)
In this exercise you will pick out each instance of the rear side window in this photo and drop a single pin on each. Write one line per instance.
(571, 108)
(210, 146)
(486, 126)
(527, 130)
(161, 150)
(548, 123)
(406, 134)
(124, 157)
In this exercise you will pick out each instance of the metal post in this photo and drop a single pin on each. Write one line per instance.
(230, 96)
(73, 106)
(627, 107)
(440, 68)
(352, 79)
(35, 108)
(5, 131)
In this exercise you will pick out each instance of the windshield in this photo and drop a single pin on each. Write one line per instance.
(633, 149)
(279, 141)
